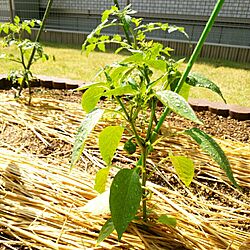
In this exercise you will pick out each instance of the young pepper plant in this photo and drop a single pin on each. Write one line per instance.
(28, 52)
(136, 84)
(14, 37)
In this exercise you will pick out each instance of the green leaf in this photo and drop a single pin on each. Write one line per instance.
(109, 140)
(209, 145)
(184, 168)
(104, 38)
(89, 85)
(91, 97)
(184, 92)
(157, 64)
(28, 29)
(125, 198)
(6, 29)
(106, 230)
(118, 72)
(126, 20)
(90, 48)
(119, 91)
(197, 80)
(106, 14)
(117, 38)
(84, 130)
(101, 179)
(101, 47)
(167, 220)
(135, 58)
(177, 104)
(16, 20)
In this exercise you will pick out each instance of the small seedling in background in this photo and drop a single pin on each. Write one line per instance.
(15, 34)
(28, 52)
(136, 85)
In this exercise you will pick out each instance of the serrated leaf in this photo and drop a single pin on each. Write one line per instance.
(90, 48)
(103, 38)
(106, 230)
(184, 168)
(101, 47)
(91, 97)
(101, 179)
(210, 146)
(125, 198)
(177, 104)
(109, 140)
(16, 20)
(197, 80)
(5, 29)
(28, 29)
(117, 38)
(84, 130)
(105, 15)
(167, 220)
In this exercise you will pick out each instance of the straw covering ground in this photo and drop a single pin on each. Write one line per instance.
(42, 203)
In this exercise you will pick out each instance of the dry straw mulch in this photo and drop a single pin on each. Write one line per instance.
(42, 202)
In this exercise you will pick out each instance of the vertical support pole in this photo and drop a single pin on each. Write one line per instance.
(12, 12)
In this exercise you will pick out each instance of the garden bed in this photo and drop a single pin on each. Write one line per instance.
(42, 204)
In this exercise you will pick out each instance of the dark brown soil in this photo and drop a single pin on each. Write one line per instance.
(218, 126)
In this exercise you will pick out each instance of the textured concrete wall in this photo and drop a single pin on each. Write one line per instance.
(231, 8)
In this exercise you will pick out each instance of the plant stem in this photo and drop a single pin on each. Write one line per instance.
(191, 61)
(144, 183)
(151, 119)
(131, 123)
(123, 24)
(49, 4)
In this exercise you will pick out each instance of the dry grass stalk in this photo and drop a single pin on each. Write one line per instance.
(41, 202)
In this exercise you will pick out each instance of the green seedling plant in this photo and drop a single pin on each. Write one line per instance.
(28, 52)
(135, 86)
(15, 37)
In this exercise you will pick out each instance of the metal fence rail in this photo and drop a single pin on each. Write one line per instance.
(73, 17)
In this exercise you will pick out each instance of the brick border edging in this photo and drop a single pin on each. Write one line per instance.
(226, 110)
(234, 111)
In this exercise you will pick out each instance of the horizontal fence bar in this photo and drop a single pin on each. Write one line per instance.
(214, 51)
(181, 48)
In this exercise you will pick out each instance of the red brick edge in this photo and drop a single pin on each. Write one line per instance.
(225, 110)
